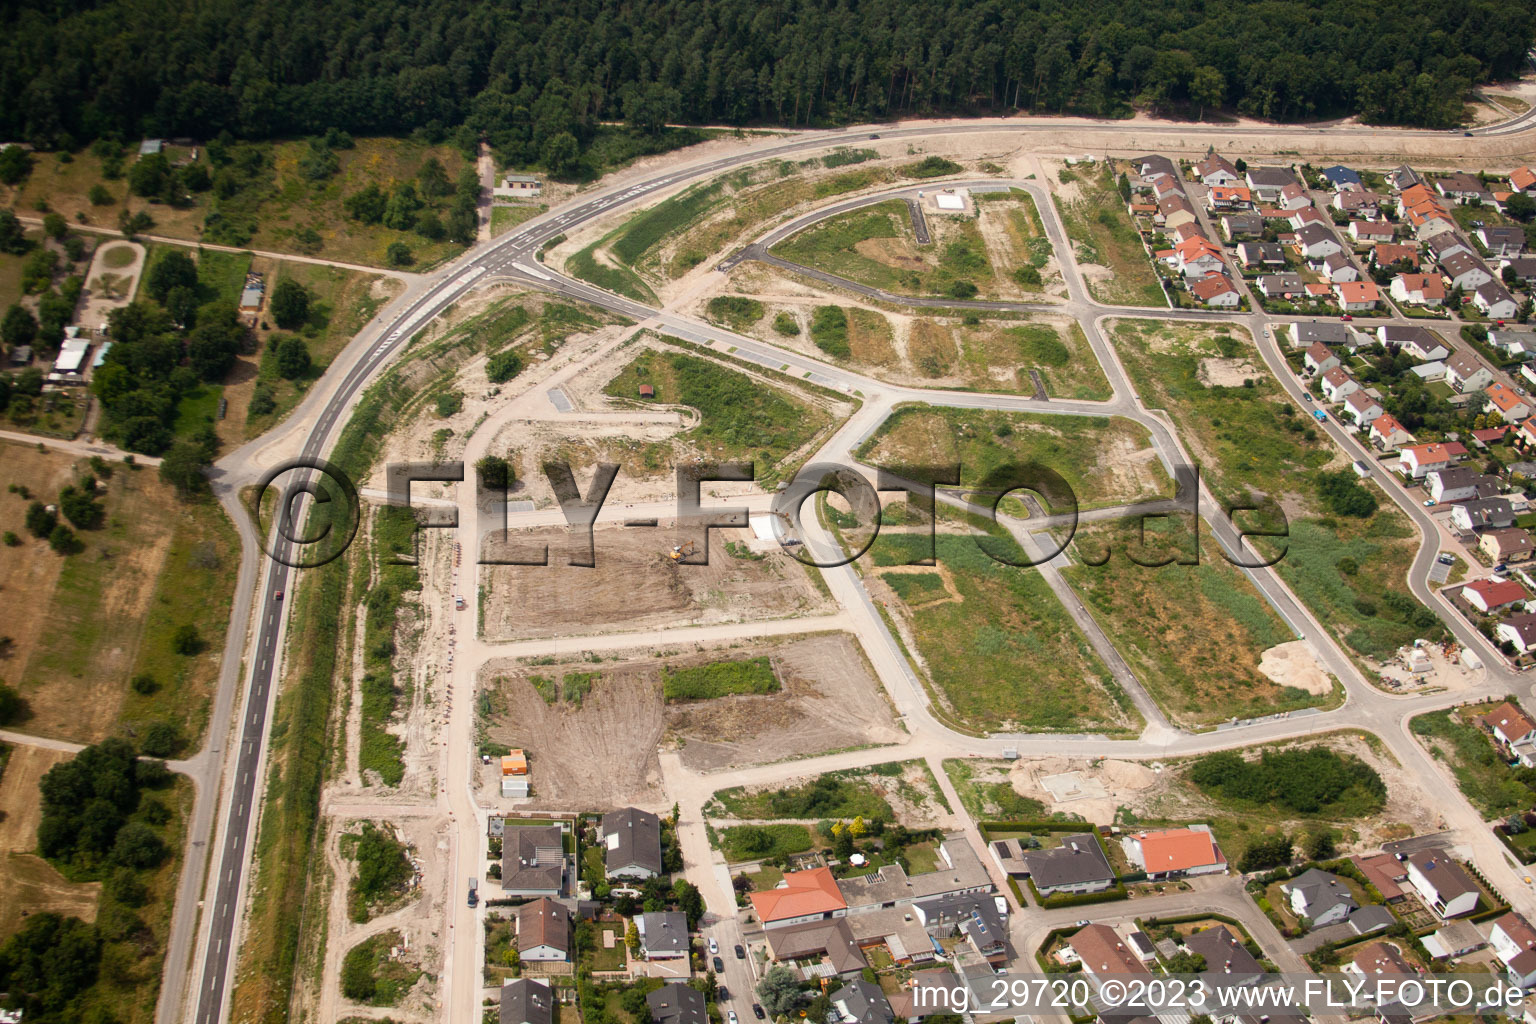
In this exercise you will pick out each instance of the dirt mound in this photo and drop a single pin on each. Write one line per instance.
(1294, 664)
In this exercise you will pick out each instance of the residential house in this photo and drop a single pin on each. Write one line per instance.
(1528, 428)
(1402, 176)
(1320, 896)
(1523, 267)
(1357, 296)
(1329, 332)
(1340, 177)
(1483, 514)
(1519, 631)
(1228, 197)
(830, 941)
(1280, 286)
(1465, 271)
(1266, 182)
(1448, 244)
(543, 930)
(631, 841)
(1009, 854)
(1454, 939)
(1216, 290)
(861, 1002)
(1261, 254)
(1388, 874)
(1358, 203)
(1460, 483)
(1173, 210)
(1366, 232)
(1184, 232)
(1511, 406)
(1418, 290)
(1166, 185)
(1077, 865)
(1370, 918)
(1315, 241)
(1490, 595)
(1103, 953)
(663, 934)
(1319, 358)
(1419, 461)
(1426, 372)
(1429, 220)
(1388, 433)
(1240, 225)
(1386, 254)
(974, 918)
(677, 1003)
(1495, 301)
(533, 861)
(1508, 722)
(1338, 383)
(809, 895)
(1461, 187)
(1293, 197)
(1198, 257)
(1224, 955)
(1508, 545)
(1502, 239)
(1466, 374)
(1362, 409)
(1514, 942)
(1418, 342)
(1517, 343)
(1153, 164)
(1307, 215)
(526, 1001)
(1175, 852)
(1338, 269)
(1490, 435)
(960, 873)
(1216, 169)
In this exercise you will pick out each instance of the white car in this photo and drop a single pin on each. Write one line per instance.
(714, 947)
(731, 1016)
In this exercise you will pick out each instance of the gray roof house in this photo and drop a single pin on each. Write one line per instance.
(1320, 896)
(676, 1003)
(533, 860)
(1077, 865)
(1224, 955)
(862, 1002)
(632, 844)
(663, 934)
(525, 1001)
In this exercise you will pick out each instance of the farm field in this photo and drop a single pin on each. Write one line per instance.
(84, 625)
(1106, 461)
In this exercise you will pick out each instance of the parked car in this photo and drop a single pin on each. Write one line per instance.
(741, 954)
(1306, 396)
(1447, 559)
(719, 966)
(714, 947)
(722, 993)
(757, 1011)
(731, 1016)
(1429, 502)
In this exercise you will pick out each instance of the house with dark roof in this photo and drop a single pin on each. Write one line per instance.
(973, 917)
(1514, 941)
(862, 1002)
(1320, 896)
(1339, 176)
(1104, 953)
(543, 930)
(1442, 883)
(1266, 182)
(830, 940)
(677, 1003)
(533, 860)
(631, 844)
(1225, 956)
(1502, 239)
(663, 934)
(1483, 514)
(526, 1001)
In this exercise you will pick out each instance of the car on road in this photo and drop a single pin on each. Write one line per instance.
(722, 993)
(1084, 923)
(874, 136)
(719, 966)
(731, 1016)
(741, 954)
(279, 595)
(757, 1011)
(714, 946)
(1306, 396)
(1346, 318)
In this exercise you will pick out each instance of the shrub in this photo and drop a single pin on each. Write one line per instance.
(719, 679)
(786, 324)
(829, 330)
(503, 366)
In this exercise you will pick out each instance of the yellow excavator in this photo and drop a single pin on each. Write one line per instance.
(680, 551)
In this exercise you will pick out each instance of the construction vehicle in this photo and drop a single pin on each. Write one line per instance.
(680, 551)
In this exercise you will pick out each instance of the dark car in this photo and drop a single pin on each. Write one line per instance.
(719, 966)
(722, 993)
(741, 954)
(757, 1011)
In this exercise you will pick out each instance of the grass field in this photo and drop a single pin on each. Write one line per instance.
(1480, 772)
(876, 246)
(1251, 441)
(1193, 634)
(739, 417)
(719, 679)
(737, 842)
(1098, 224)
(829, 796)
(1105, 461)
(82, 626)
(1005, 656)
(505, 217)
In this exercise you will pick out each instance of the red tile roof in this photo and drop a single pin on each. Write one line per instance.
(804, 892)
(1497, 593)
(1511, 721)
(1178, 849)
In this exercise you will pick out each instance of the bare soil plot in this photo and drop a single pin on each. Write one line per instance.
(1104, 461)
(600, 750)
(32, 885)
(82, 626)
(635, 585)
(1015, 237)
(1106, 239)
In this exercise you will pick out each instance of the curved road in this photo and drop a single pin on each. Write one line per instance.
(513, 256)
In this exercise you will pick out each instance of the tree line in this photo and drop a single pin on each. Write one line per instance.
(541, 79)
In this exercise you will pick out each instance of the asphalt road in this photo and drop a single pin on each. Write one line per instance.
(512, 256)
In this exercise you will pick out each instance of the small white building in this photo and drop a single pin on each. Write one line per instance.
(1443, 884)
(518, 186)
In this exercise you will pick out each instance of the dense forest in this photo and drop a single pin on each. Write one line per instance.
(538, 76)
